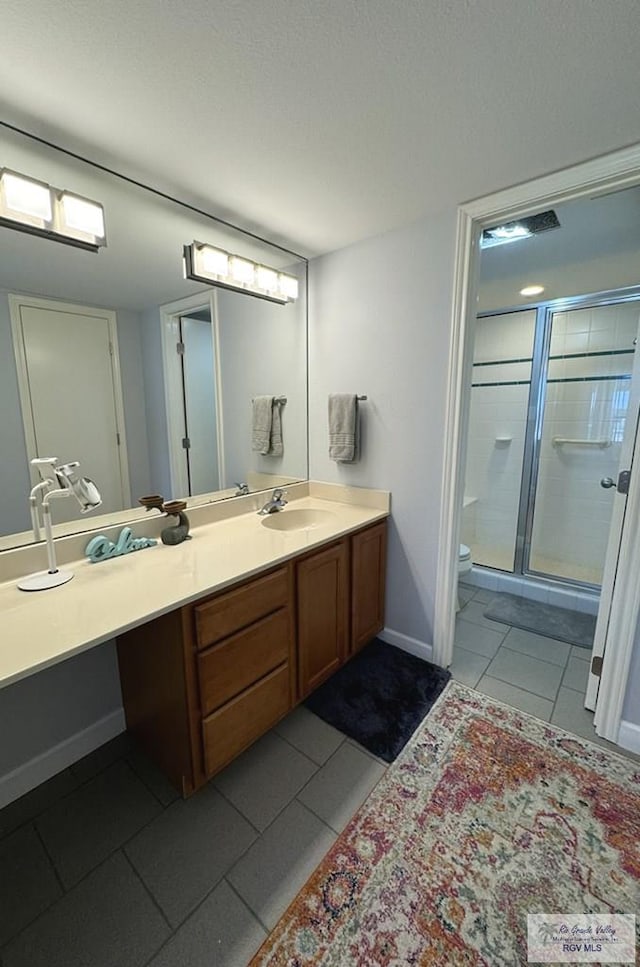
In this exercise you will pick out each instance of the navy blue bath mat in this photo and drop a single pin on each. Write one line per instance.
(379, 697)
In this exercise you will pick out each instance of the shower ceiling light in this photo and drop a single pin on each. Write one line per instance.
(33, 206)
(532, 290)
(214, 266)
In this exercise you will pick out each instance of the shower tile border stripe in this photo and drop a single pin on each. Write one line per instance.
(564, 379)
(529, 359)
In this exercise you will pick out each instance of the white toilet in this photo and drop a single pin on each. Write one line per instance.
(464, 566)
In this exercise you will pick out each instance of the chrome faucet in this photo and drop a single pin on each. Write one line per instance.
(243, 489)
(275, 503)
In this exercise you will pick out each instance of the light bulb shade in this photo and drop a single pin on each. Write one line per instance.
(214, 266)
(288, 285)
(242, 270)
(80, 218)
(214, 261)
(266, 278)
(25, 200)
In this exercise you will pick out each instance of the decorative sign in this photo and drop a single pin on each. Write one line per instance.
(100, 548)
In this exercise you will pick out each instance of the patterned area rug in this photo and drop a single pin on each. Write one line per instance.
(487, 815)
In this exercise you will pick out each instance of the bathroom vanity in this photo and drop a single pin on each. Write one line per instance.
(204, 681)
(221, 636)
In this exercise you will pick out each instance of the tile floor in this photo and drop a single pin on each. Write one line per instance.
(105, 865)
(538, 675)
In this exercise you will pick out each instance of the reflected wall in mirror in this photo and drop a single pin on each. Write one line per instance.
(116, 360)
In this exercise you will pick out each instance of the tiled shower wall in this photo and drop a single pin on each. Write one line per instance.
(584, 400)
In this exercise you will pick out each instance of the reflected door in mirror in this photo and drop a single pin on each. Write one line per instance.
(199, 393)
(68, 390)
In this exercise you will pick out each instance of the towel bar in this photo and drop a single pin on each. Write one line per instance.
(278, 399)
(559, 441)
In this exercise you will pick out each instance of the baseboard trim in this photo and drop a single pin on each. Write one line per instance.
(412, 645)
(629, 736)
(42, 767)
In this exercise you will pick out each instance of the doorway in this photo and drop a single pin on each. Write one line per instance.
(550, 394)
(193, 395)
(616, 171)
(199, 403)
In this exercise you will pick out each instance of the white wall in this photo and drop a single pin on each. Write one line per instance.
(53, 718)
(131, 373)
(379, 324)
(155, 405)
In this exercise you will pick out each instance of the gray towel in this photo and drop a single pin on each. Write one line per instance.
(343, 417)
(276, 448)
(262, 420)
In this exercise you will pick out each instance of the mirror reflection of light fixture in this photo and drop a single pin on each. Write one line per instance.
(214, 266)
(33, 206)
(56, 482)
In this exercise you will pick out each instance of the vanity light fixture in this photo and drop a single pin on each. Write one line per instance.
(56, 482)
(35, 207)
(214, 266)
(531, 290)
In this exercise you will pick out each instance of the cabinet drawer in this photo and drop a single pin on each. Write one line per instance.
(229, 730)
(229, 612)
(237, 662)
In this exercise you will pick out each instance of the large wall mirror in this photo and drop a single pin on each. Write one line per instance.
(116, 360)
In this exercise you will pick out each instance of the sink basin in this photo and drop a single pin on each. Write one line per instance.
(298, 520)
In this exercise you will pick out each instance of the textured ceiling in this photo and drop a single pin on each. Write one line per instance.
(319, 122)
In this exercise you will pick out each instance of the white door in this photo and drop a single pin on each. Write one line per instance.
(66, 367)
(200, 405)
(610, 601)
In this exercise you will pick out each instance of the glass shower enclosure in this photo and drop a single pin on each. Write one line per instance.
(549, 402)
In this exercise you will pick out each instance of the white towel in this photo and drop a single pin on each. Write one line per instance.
(343, 417)
(262, 421)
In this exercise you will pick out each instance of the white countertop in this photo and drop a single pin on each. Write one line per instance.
(38, 629)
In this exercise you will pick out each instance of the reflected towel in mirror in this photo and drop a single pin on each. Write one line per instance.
(267, 426)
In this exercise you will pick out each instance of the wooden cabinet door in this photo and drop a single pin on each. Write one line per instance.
(368, 572)
(323, 615)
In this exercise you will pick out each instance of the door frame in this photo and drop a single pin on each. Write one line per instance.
(15, 302)
(612, 172)
(170, 314)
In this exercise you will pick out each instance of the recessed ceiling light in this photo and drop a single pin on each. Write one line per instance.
(532, 290)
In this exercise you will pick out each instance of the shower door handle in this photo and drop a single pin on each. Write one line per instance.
(622, 485)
